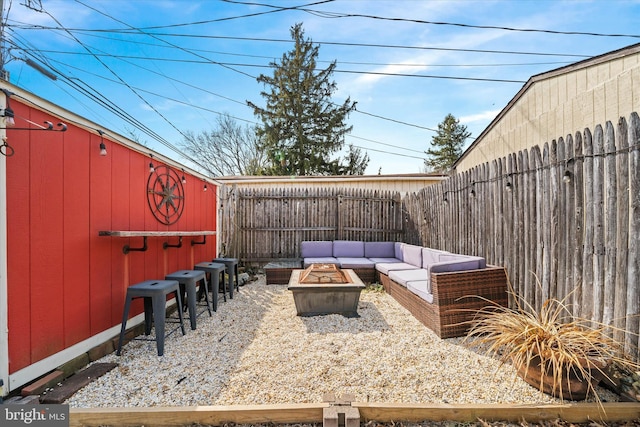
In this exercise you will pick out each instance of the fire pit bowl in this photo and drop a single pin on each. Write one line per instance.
(325, 289)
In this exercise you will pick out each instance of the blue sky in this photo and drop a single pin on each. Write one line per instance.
(407, 63)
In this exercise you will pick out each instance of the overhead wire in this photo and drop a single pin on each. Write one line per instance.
(244, 120)
(337, 70)
(325, 14)
(87, 90)
(380, 64)
(346, 71)
(160, 139)
(333, 43)
(199, 107)
(391, 74)
(362, 112)
(334, 15)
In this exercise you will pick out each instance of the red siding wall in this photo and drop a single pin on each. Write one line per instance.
(66, 283)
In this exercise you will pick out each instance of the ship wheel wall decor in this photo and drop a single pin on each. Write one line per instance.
(165, 195)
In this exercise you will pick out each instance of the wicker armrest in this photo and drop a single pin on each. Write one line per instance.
(457, 296)
(454, 288)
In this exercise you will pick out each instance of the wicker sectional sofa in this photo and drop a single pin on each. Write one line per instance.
(441, 289)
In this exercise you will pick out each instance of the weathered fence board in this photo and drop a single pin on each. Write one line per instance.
(633, 269)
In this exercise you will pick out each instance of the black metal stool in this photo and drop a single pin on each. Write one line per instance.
(215, 269)
(155, 294)
(232, 269)
(188, 280)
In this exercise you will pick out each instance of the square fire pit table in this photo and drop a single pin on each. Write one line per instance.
(328, 293)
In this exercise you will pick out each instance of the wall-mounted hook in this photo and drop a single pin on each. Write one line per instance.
(5, 149)
(49, 127)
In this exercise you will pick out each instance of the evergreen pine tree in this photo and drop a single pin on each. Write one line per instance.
(301, 127)
(446, 145)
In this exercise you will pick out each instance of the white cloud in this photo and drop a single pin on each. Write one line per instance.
(482, 116)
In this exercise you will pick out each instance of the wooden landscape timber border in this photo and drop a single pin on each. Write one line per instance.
(379, 412)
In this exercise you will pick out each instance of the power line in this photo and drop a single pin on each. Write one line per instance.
(388, 152)
(379, 64)
(193, 52)
(430, 76)
(384, 143)
(333, 15)
(169, 145)
(337, 70)
(254, 123)
(350, 44)
(359, 111)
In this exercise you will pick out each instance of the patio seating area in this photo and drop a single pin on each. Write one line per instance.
(255, 350)
(440, 288)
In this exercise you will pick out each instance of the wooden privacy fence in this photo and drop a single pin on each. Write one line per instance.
(564, 220)
(259, 225)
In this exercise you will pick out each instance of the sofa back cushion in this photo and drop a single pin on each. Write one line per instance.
(412, 254)
(431, 256)
(397, 248)
(348, 248)
(379, 250)
(316, 248)
(454, 262)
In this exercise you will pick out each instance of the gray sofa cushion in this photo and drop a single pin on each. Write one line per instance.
(397, 248)
(347, 262)
(385, 260)
(379, 249)
(422, 289)
(316, 248)
(455, 262)
(403, 276)
(348, 249)
(431, 256)
(412, 254)
(385, 267)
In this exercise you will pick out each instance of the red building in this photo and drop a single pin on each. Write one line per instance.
(62, 283)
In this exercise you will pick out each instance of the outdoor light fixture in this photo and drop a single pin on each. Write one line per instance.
(9, 117)
(103, 148)
(184, 180)
(151, 168)
(10, 122)
(566, 177)
(205, 187)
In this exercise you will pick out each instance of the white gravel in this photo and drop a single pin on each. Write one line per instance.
(255, 350)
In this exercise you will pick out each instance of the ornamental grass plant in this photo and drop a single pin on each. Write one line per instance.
(564, 355)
